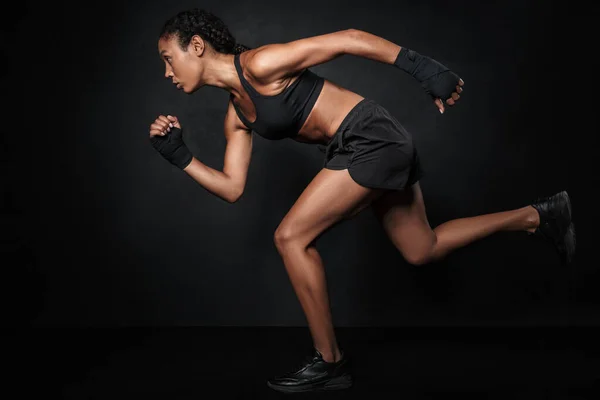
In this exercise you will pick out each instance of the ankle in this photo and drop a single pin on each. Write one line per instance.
(332, 356)
(532, 221)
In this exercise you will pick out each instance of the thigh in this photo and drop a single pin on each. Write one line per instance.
(403, 217)
(330, 197)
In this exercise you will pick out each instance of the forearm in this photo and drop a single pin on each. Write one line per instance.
(373, 47)
(438, 81)
(212, 180)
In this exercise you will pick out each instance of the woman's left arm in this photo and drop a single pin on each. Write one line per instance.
(275, 61)
(373, 47)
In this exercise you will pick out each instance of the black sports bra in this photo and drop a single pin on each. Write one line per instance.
(283, 114)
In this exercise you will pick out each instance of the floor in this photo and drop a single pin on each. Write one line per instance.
(234, 363)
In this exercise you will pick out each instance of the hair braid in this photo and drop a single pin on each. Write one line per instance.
(201, 22)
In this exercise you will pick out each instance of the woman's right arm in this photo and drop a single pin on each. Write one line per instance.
(230, 183)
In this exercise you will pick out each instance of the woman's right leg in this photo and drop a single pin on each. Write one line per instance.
(403, 216)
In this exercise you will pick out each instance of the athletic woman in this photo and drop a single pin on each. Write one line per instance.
(370, 159)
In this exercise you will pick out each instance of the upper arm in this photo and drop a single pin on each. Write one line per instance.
(238, 149)
(275, 61)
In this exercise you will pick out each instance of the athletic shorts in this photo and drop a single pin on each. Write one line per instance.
(377, 151)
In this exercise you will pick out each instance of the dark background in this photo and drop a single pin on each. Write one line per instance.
(99, 230)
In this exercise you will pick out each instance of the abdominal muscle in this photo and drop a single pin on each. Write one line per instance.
(330, 109)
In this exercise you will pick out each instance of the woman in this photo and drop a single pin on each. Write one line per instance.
(370, 159)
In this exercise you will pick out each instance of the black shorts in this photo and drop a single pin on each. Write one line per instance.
(377, 150)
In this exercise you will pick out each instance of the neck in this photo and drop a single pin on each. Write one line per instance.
(221, 73)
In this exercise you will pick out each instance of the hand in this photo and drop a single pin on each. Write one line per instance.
(171, 147)
(452, 99)
(162, 125)
(437, 79)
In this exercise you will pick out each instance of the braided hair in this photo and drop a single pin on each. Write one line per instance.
(201, 22)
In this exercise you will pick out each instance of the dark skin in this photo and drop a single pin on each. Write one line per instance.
(332, 196)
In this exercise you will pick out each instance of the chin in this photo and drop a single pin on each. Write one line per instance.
(192, 90)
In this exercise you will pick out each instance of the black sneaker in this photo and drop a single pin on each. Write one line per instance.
(315, 374)
(556, 225)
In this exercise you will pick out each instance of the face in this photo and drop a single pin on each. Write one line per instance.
(183, 68)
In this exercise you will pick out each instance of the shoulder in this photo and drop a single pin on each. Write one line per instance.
(255, 63)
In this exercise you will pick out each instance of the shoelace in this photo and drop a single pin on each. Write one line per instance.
(307, 360)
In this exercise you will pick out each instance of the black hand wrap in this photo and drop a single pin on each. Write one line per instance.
(172, 148)
(435, 78)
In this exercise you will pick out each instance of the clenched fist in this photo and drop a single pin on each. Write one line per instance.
(166, 137)
(162, 125)
(437, 79)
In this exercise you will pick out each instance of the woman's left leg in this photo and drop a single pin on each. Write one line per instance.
(330, 197)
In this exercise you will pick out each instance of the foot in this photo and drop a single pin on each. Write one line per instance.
(556, 225)
(315, 374)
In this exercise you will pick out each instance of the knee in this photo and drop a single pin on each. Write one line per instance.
(418, 259)
(284, 236)
(423, 252)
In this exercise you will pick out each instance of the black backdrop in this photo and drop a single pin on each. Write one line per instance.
(99, 230)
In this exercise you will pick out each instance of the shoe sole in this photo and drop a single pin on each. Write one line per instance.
(564, 193)
(337, 383)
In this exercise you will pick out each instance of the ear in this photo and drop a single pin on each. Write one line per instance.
(197, 45)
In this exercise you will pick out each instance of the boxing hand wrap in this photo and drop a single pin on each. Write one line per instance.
(435, 78)
(172, 148)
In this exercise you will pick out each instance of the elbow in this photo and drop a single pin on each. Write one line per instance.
(352, 42)
(235, 196)
(354, 33)
(351, 34)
